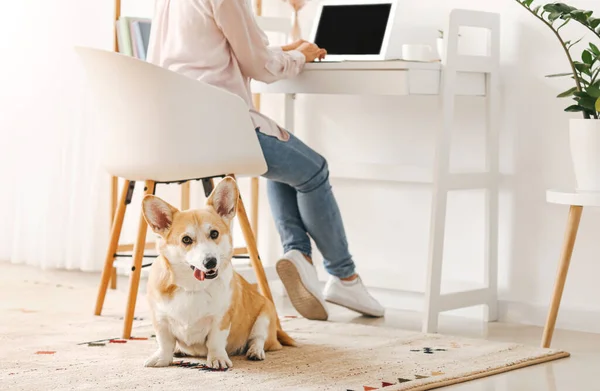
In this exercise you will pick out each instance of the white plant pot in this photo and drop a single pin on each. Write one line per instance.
(584, 137)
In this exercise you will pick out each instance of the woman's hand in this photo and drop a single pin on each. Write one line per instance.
(293, 45)
(311, 51)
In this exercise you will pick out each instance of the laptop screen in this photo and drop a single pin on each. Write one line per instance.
(352, 29)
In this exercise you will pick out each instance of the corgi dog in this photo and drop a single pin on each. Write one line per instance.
(200, 306)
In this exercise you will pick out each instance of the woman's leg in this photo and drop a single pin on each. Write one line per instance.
(288, 221)
(302, 204)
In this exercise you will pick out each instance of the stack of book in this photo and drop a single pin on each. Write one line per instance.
(133, 35)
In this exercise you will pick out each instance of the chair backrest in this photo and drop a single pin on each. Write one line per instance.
(160, 125)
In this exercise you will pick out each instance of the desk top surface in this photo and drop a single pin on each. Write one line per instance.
(371, 65)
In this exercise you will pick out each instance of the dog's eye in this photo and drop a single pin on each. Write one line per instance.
(214, 234)
(186, 240)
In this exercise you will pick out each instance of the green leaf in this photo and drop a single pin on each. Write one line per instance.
(527, 2)
(585, 68)
(593, 91)
(561, 8)
(536, 10)
(580, 16)
(594, 22)
(594, 48)
(553, 16)
(581, 94)
(560, 74)
(587, 103)
(574, 109)
(598, 104)
(567, 93)
(570, 45)
(587, 57)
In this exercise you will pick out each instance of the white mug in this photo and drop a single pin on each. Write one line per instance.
(417, 52)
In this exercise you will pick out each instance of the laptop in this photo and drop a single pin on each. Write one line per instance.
(357, 30)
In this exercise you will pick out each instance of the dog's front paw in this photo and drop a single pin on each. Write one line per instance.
(255, 353)
(218, 361)
(158, 360)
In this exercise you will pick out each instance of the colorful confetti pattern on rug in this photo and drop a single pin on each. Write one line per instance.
(60, 343)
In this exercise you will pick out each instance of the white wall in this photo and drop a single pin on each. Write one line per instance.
(387, 223)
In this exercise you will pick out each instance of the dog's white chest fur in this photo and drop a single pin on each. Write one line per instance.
(192, 314)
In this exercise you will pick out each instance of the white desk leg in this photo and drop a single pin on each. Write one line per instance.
(289, 112)
(436, 254)
(439, 205)
(492, 163)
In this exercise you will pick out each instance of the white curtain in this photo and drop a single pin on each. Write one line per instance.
(54, 197)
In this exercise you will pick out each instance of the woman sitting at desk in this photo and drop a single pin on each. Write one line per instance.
(219, 42)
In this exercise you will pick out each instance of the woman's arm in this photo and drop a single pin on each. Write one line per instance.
(250, 45)
(293, 45)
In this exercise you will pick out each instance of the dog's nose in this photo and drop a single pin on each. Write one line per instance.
(210, 263)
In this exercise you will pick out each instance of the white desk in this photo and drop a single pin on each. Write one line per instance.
(459, 75)
(373, 78)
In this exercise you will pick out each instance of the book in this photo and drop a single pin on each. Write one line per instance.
(124, 32)
(142, 37)
(133, 36)
(134, 46)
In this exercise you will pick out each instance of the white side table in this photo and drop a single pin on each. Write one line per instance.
(576, 202)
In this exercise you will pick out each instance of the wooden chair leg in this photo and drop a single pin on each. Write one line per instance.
(253, 251)
(254, 183)
(114, 189)
(563, 267)
(254, 187)
(185, 196)
(138, 254)
(115, 234)
(113, 278)
(261, 276)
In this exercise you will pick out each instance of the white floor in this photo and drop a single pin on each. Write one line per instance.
(572, 374)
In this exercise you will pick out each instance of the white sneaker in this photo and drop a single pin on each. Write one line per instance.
(352, 295)
(302, 285)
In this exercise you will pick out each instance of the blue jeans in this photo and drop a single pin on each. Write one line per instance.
(302, 202)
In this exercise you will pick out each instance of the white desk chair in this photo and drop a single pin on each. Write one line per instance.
(161, 127)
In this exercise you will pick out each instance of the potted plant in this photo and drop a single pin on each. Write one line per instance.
(584, 133)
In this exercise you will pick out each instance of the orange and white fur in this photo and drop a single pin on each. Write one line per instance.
(200, 306)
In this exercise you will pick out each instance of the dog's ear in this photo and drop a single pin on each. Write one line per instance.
(224, 198)
(158, 214)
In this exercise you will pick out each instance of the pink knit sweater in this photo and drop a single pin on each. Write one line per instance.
(219, 42)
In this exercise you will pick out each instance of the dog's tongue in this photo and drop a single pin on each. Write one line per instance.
(199, 274)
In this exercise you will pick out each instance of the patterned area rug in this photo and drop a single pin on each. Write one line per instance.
(51, 340)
